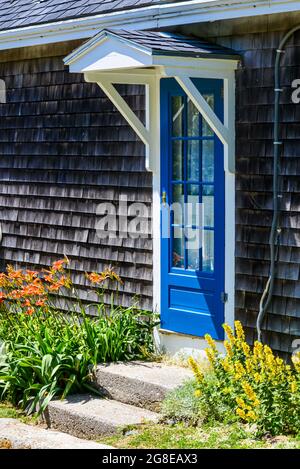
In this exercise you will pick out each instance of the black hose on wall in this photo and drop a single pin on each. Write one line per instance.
(275, 230)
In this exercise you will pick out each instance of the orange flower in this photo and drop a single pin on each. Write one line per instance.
(2, 297)
(30, 311)
(31, 274)
(15, 274)
(108, 273)
(40, 302)
(32, 290)
(94, 277)
(57, 283)
(3, 280)
(57, 266)
(21, 286)
(111, 274)
(67, 282)
(49, 278)
(54, 287)
(37, 281)
(15, 294)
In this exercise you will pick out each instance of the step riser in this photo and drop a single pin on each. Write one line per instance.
(90, 417)
(140, 384)
(130, 391)
(17, 435)
(77, 425)
(135, 391)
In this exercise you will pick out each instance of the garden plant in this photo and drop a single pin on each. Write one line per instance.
(46, 353)
(249, 384)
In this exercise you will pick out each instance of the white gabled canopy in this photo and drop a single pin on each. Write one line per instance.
(144, 57)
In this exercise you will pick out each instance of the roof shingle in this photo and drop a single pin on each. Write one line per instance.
(21, 13)
(167, 43)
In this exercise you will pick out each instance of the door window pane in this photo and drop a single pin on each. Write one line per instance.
(208, 251)
(206, 129)
(208, 205)
(177, 150)
(208, 148)
(177, 115)
(193, 127)
(178, 247)
(193, 159)
(193, 209)
(193, 242)
(178, 204)
(192, 188)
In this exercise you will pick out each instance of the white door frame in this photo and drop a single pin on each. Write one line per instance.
(229, 122)
(138, 67)
(150, 135)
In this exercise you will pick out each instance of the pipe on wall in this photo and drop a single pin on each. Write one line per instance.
(267, 295)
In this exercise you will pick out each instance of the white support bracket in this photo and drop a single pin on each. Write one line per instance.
(125, 110)
(109, 60)
(148, 132)
(225, 131)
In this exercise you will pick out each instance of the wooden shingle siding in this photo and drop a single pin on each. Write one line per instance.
(20, 13)
(254, 128)
(257, 40)
(65, 149)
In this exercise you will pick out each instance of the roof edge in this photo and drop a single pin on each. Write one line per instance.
(123, 36)
(150, 17)
(94, 41)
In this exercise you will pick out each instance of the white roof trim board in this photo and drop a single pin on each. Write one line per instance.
(149, 17)
(115, 49)
(147, 56)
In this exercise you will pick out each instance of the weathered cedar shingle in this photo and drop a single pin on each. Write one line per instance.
(254, 162)
(84, 136)
(21, 13)
(65, 149)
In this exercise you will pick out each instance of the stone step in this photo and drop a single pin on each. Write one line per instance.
(17, 435)
(86, 416)
(142, 384)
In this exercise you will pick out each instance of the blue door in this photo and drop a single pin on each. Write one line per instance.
(192, 190)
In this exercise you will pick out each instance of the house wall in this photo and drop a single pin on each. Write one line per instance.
(257, 39)
(65, 149)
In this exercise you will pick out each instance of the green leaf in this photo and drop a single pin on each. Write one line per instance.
(71, 381)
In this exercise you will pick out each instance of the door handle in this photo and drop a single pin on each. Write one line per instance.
(164, 198)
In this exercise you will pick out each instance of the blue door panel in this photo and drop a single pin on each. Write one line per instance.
(192, 170)
(186, 322)
(193, 301)
(190, 281)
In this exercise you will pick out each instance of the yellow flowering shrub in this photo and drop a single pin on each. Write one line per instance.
(250, 384)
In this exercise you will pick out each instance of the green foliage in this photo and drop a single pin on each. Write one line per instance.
(249, 384)
(181, 404)
(51, 354)
(181, 436)
(8, 411)
(213, 404)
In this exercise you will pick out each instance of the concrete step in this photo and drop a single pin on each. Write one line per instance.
(17, 435)
(142, 384)
(86, 416)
